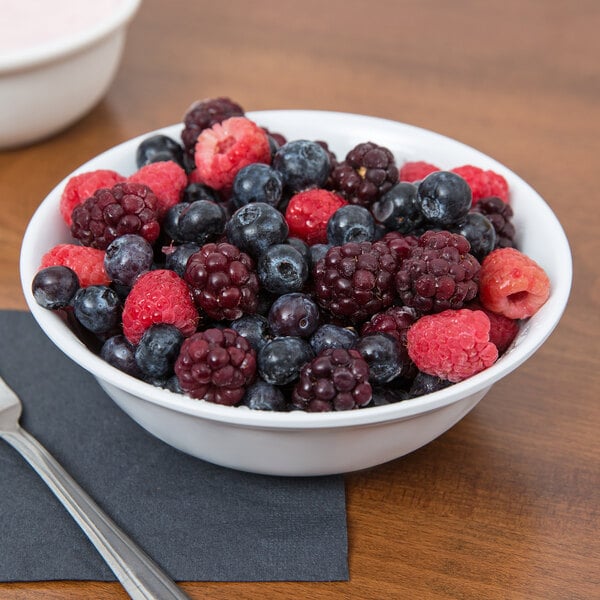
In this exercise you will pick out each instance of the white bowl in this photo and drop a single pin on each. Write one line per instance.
(49, 81)
(299, 443)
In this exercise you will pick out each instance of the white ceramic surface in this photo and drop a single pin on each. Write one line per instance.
(300, 443)
(47, 86)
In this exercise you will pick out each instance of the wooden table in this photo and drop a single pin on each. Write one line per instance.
(506, 504)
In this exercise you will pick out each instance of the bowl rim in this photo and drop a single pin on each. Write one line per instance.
(40, 54)
(54, 325)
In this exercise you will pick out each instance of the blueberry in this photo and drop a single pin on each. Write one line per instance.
(264, 396)
(424, 383)
(383, 356)
(199, 191)
(282, 269)
(54, 287)
(177, 256)
(303, 164)
(398, 208)
(255, 328)
(350, 223)
(97, 308)
(444, 198)
(255, 227)
(127, 257)
(280, 360)
(257, 182)
(158, 349)
(199, 222)
(158, 148)
(388, 395)
(317, 252)
(480, 232)
(332, 336)
(120, 353)
(302, 247)
(294, 315)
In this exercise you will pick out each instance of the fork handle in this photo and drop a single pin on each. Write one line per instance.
(141, 577)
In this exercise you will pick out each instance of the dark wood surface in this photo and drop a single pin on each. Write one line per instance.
(506, 504)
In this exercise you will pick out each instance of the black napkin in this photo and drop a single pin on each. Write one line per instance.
(199, 521)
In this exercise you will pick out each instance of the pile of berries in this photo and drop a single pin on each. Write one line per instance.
(237, 267)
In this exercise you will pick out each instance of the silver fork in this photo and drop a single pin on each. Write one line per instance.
(141, 577)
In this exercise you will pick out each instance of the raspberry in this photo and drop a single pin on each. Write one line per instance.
(512, 284)
(336, 379)
(166, 179)
(356, 280)
(439, 273)
(499, 214)
(223, 281)
(82, 186)
(367, 173)
(452, 345)
(227, 147)
(483, 183)
(88, 263)
(307, 214)
(203, 114)
(159, 296)
(216, 365)
(110, 213)
(416, 170)
(502, 329)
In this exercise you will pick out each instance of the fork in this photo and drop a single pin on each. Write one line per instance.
(141, 577)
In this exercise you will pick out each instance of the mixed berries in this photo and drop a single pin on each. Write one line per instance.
(240, 268)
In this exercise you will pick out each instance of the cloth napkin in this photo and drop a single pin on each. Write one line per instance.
(199, 521)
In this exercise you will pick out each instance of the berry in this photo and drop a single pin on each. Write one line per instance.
(264, 396)
(480, 233)
(512, 284)
(127, 257)
(336, 379)
(439, 273)
(414, 171)
(81, 187)
(332, 336)
(303, 164)
(203, 114)
(255, 227)
(317, 252)
(216, 365)
(125, 208)
(398, 209)
(199, 222)
(367, 173)
(97, 308)
(502, 329)
(166, 179)
(227, 147)
(54, 287)
(176, 257)
(424, 383)
(282, 269)
(156, 148)
(88, 263)
(500, 214)
(308, 212)
(156, 352)
(350, 223)
(293, 315)
(158, 296)
(355, 281)
(444, 198)
(302, 247)
(394, 321)
(257, 182)
(199, 191)
(382, 354)
(280, 359)
(399, 244)
(483, 184)
(255, 328)
(223, 281)
(120, 353)
(452, 345)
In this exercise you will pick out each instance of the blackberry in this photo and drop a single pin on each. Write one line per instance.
(350, 223)
(394, 321)
(54, 287)
(367, 173)
(444, 198)
(280, 359)
(110, 213)
(332, 336)
(156, 352)
(294, 314)
(264, 396)
(223, 281)
(216, 365)
(303, 164)
(439, 273)
(500, 214)
(400, 245)
(127, 257)
(203, 114)
(336, 379)
(355, 281)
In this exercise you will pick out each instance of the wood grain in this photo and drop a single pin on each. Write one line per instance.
(506, 504)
